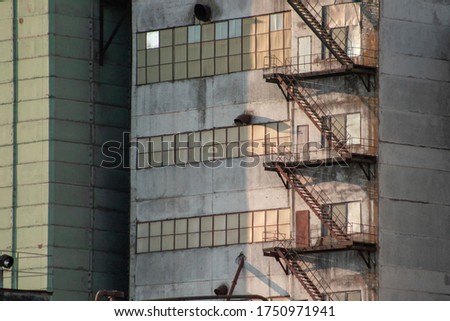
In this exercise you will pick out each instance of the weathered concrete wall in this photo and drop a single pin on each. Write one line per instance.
(89, 106)
(71, 215)
(414, 151)
(173, 192)
(29, 236)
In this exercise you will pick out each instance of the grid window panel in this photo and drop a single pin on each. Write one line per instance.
(152, 40)
(248, 44)
(155, 228)
(232, 236)
(180, 53)
(262, 24)
(180, 241)
(221, 65)
(259, 218)
(142, 230)
(232, 221)
(208, 32)
(221, 48)
(194, 51)
(248, 26)
(235, 46)
(206, 239)
(235, 28)
(166, 55)
(153, 57)
(194, 69)
(153, 74)
(167, 242)
(276, 21)
(155, 244)
(193, 240)
(181, 226)
(221, 30)
(194, 225)
(194, 33)
(180, 71)
(141, 39)
(142, 245)
(141, 59)
(141, 76)
(165, 38)
(208, 67)
(246, 235)
(271, 218)
(207, 49)
(180, 35)
(168, 227)
(219, 238)
(166, 72)
(258, 234)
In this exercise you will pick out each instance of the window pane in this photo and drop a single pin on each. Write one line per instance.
(284, 231)
(141, 76)
(262, 24)
(248, 44)
(180, 53)
(153, 74)
(153, 57)
(180, 241)
(155, 244)
(194, 225)
(206, 224)
(194, 69)
(167, 227)
(142, 230)
(194, 34)
(180, 226)
(180, 35)
(141, 58)
(208, 32)
(219, 222)
(181, 70)
(248, 61)
(155, 144)
(221, 48)
(152, 39)
(167, 243)
(219, 238)
(193, 240)
(271, 218)
(248, 26)
(245, 235)
(232, 221)
(165, 38)
(221, 65)
(194, 51)
(221, 30)
(166, 55)
(259, 219)
(276, 22)
(284, 216)
(142, 245)
(232, 236)
(206, 239)
(155, 228)
(208, 67)
(235, 27)
(245, 219)
(208, 49)
(166, 72)
(262, 42)
(258, 234)
(235, 46)
(141, 41)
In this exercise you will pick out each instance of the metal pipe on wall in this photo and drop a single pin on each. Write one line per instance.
(15, 22)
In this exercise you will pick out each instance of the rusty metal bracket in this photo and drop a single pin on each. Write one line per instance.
(105, 45)
(285, 183)
(369, 174)
(370, 84)
(285, 94)
(370, 262)
(285, 268)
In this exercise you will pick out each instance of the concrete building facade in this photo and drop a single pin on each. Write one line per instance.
(63, 215)
(414, 150)
(211, 130)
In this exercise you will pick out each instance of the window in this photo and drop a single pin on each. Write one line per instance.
(152, 39)
(346, 215)
(213, 230)
(216, 144)
(212, 49)
(276, 22)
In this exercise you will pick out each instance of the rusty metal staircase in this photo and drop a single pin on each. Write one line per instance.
(335, 132)
(315, 285)
(317, 200)
(313, 18)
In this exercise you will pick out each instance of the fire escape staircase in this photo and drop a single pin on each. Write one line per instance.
(317, 288)
(312, 18)
(334, 132)
(317, 201)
